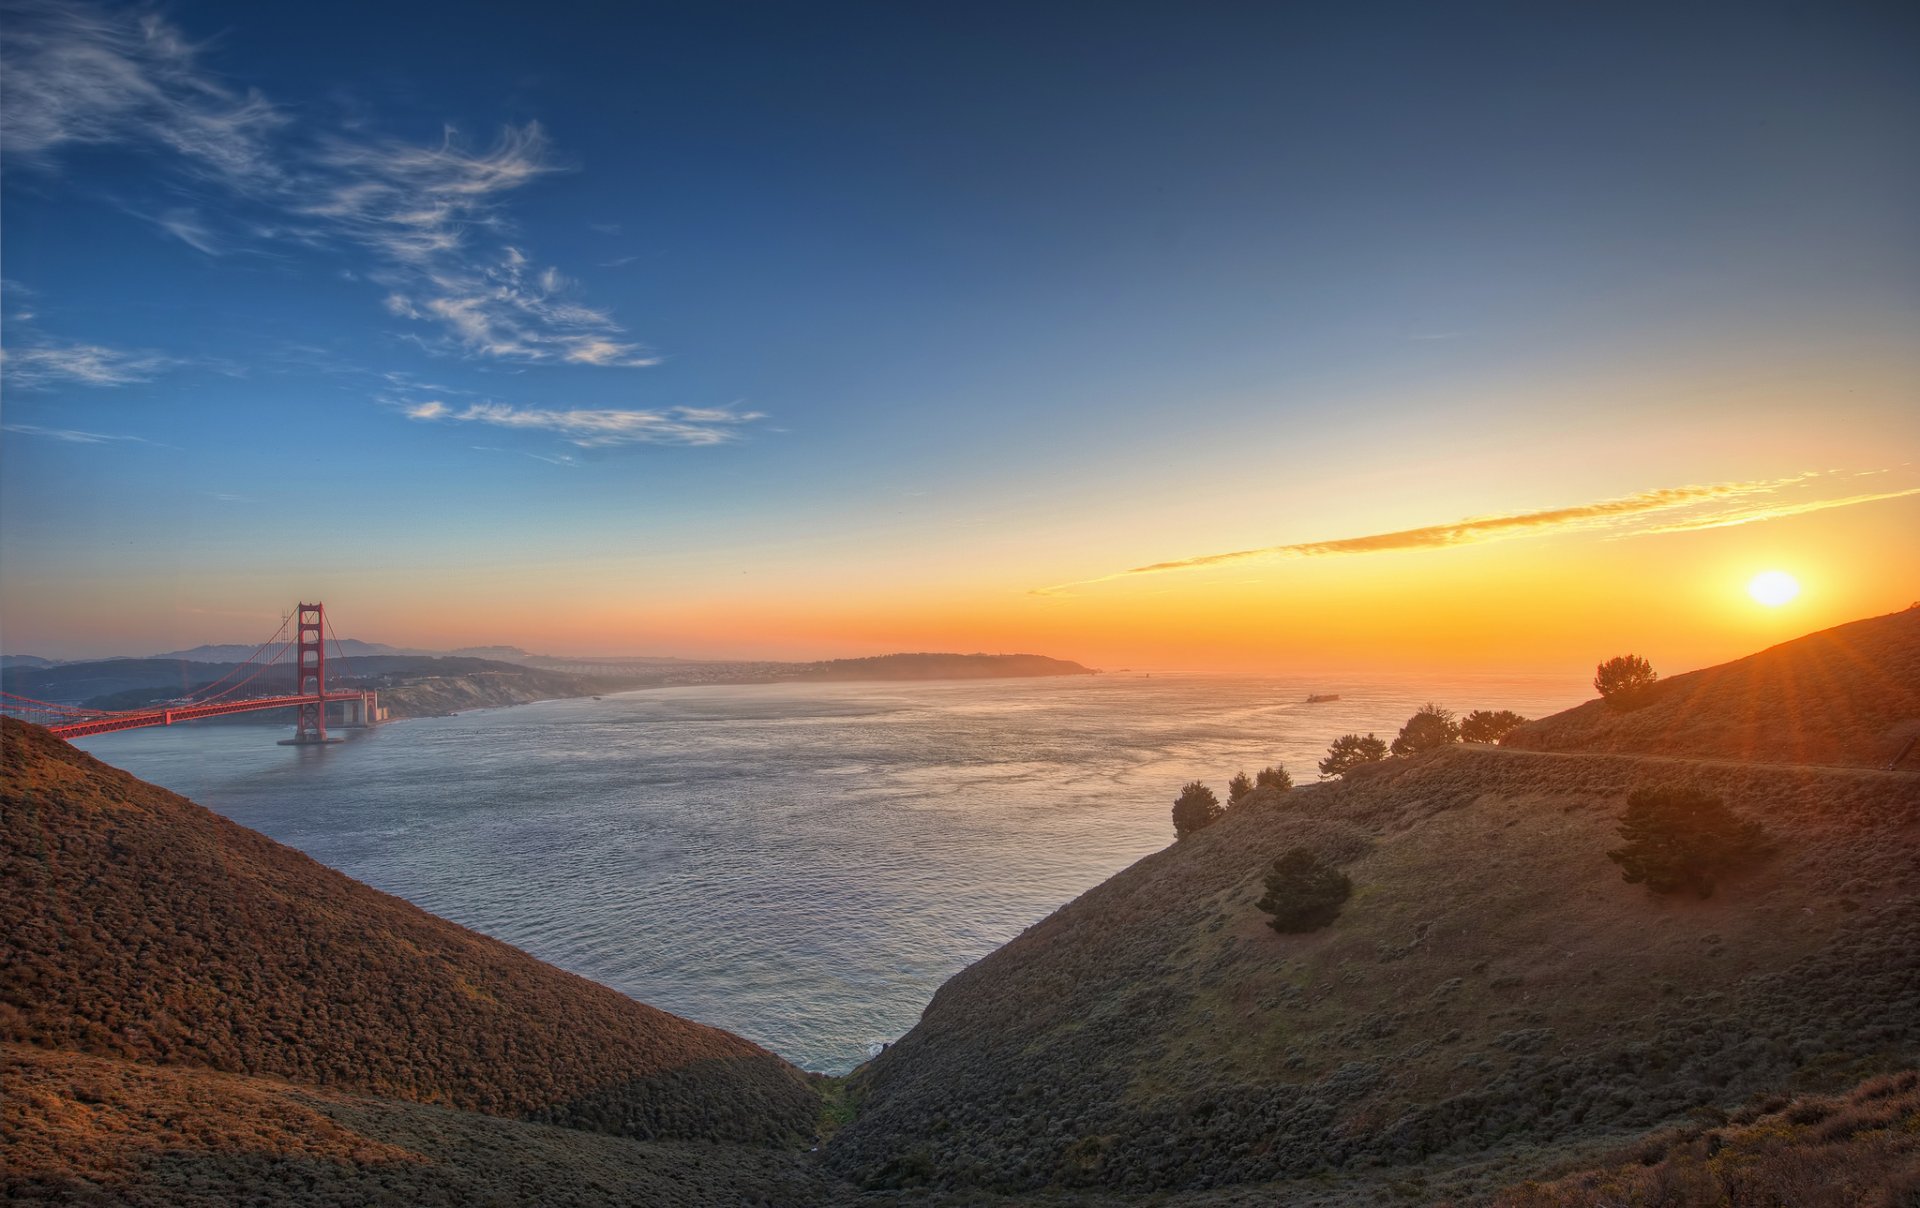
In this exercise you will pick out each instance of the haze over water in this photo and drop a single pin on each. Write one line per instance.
(803, 864)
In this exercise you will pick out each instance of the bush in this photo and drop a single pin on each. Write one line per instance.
(1274, 778)
(1304, 893)
(1428, 730)
(1483, 725)
(1625, 682)
(1680, 837)
(1238, 787)
(1349, 751)
(1195, 809)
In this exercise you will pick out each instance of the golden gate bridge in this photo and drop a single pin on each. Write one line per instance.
(309, 698)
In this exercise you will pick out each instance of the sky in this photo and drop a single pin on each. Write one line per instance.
(1219, 337)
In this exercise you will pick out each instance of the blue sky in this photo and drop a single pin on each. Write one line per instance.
(897, 299)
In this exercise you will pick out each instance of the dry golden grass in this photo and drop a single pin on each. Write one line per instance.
(139, 925)
(1493, 990)
(1857, 1150)
(76, 1129)
(1846, 695)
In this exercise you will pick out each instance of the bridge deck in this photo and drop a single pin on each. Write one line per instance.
(167, 716)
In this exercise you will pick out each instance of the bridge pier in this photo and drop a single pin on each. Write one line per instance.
(361, 713)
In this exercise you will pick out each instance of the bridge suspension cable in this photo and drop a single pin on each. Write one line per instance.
(190, 697)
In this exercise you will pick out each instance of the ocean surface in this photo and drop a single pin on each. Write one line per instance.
(803, 864)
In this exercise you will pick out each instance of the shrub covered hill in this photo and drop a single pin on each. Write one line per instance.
(1846, 695)
(191, 1014)
(140, 928)
(1493, 1003)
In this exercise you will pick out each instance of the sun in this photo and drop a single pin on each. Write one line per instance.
(1773, 587)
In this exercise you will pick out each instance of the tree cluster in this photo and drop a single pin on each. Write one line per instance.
(1304, 892)
(1626, 682)
(1679, 837)
(1350, 751)
(1195, 809)
(1489, 725)
(1429, 729)
(1272, 777)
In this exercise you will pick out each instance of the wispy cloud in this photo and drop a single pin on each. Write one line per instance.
(1754, 512)
(78, 75)
(73, 436)
(1691, 508)
(430, 215)
(598, 428)
(187, 226)
(51, 364)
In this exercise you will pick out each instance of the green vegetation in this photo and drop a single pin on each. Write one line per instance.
(1304, 893)
(1195, 809)
(1430, 729)
(1350, 751)
(1274, 777)
(1679, 837)
(1625, 683)
(1491, 1004)
(1857, 1150)
(1486, 725)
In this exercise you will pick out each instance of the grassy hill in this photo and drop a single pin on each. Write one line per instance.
(1493, 1000)
(1846, 695)
(140, 926)
(78, 1129)
(192, 1014)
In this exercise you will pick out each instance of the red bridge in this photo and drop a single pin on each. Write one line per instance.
(309, 698)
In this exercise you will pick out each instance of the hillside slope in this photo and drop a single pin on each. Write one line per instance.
(138, 925)
(77, 1129)
(1492, 997)
(1846, 695)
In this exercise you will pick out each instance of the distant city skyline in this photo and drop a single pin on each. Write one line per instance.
(1238, 338)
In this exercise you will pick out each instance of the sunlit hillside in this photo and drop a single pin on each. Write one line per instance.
(1846, 695)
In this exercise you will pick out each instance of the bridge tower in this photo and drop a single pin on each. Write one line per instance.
(310, 674)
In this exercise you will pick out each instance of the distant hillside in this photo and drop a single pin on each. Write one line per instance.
(23, 660)
(1492, 1000)
(235, 653)
(1846, 695)
(140, 926)
(410, 685)
(938, 667)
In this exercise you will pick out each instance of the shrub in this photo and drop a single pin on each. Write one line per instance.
(1349, 751)
(1195, 809)
(1428, 730)
(1304, 893)
(1485, 725)
(1274, 778)
(1625, 682)
(1678, 837)
(1238, 787)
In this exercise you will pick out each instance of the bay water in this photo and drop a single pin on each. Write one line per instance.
(803, 864)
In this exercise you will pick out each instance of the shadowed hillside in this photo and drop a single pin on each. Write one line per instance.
(88, 1130)
(138, 925)
(1846, 695)
(1492, 997)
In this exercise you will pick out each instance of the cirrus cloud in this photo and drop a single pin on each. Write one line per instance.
(1679, 509)
(598, 427)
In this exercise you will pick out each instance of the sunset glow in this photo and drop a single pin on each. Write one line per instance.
(1242, 384)
(1773, 588)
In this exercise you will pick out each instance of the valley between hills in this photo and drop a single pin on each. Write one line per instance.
(194, 1014)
